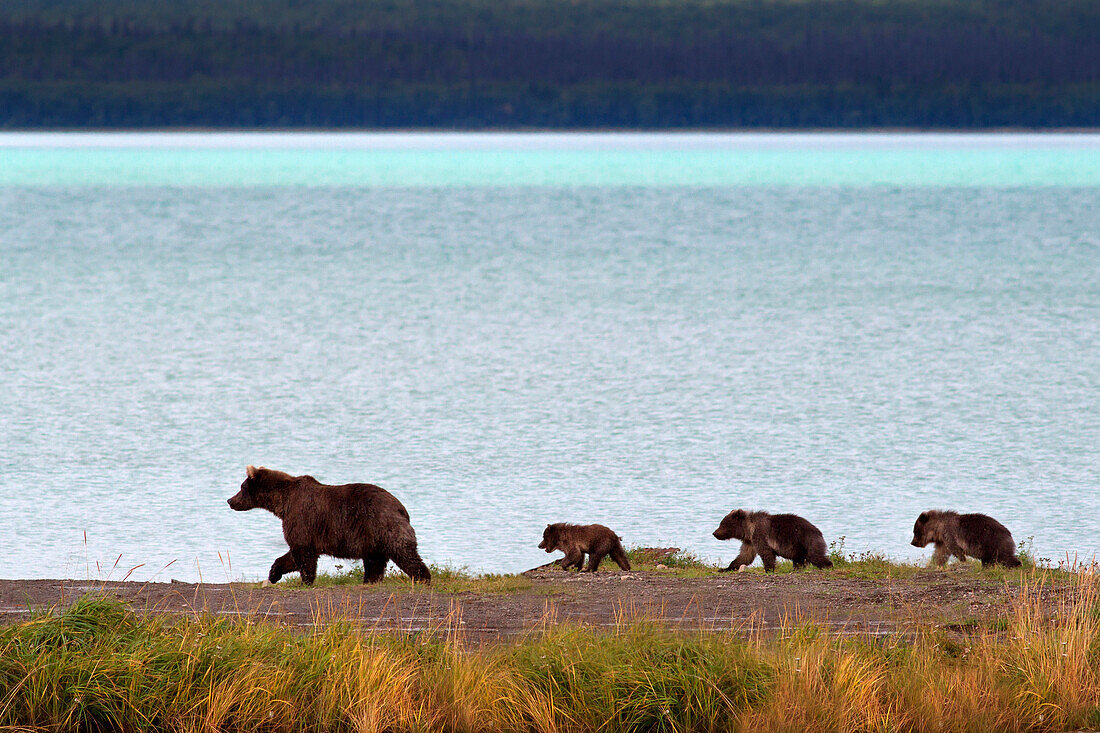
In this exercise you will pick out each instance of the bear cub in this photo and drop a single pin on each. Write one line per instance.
(575, 540)
(768, 535)
(353, 521)
(976, 535)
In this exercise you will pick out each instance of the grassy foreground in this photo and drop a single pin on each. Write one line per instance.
(98, 666)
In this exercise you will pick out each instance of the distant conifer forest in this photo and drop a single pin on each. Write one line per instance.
(474, 64)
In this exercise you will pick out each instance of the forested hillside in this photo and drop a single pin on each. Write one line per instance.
(549, 63)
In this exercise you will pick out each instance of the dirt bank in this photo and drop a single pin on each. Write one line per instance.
(959, 599)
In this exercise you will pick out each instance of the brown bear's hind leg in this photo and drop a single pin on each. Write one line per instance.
(618, 554)
(408, 559)
(283, 565)
(594, 560)
(820, 560)
(374, 568)
(1008, 560)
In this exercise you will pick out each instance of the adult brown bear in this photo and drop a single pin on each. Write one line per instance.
(353, 521)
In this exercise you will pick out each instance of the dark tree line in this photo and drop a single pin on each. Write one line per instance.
(550, 63)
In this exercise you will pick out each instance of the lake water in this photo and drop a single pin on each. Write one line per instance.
(506, 330)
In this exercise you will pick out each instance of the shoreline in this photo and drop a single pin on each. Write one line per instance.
(871, 597)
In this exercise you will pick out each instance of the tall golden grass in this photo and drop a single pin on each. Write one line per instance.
(98, 666)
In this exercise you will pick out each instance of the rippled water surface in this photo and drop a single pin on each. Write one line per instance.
(644, 331)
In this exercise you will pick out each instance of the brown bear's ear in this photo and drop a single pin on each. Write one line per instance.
(251, 471)
(923, 517)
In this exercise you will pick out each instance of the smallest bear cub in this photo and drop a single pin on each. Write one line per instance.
(575, 540)
(768, 535)
(976, 535)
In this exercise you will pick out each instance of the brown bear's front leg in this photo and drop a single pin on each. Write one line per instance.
(745, 557)
(940, 555)
(306, 560)
(767, 556)
(573, 559)
(283, 565)
(374, 568)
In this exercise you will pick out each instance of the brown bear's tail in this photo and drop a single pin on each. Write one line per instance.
(618, 554)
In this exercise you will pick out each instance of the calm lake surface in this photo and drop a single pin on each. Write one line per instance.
(505, 330)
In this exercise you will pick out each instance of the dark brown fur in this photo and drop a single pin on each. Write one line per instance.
(976, 535)
(353, 521)
(577, 539)
(768, 535)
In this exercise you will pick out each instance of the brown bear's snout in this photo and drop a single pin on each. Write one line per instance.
(237, 502)
(916, 542)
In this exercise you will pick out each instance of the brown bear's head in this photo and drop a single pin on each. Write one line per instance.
(549, 538)
(924, 529)
(732, 526)
(257, 491)
(245, 499)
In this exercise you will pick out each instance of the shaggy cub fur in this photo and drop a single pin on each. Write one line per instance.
(976, 535)
(768, 535)
(577, 539)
